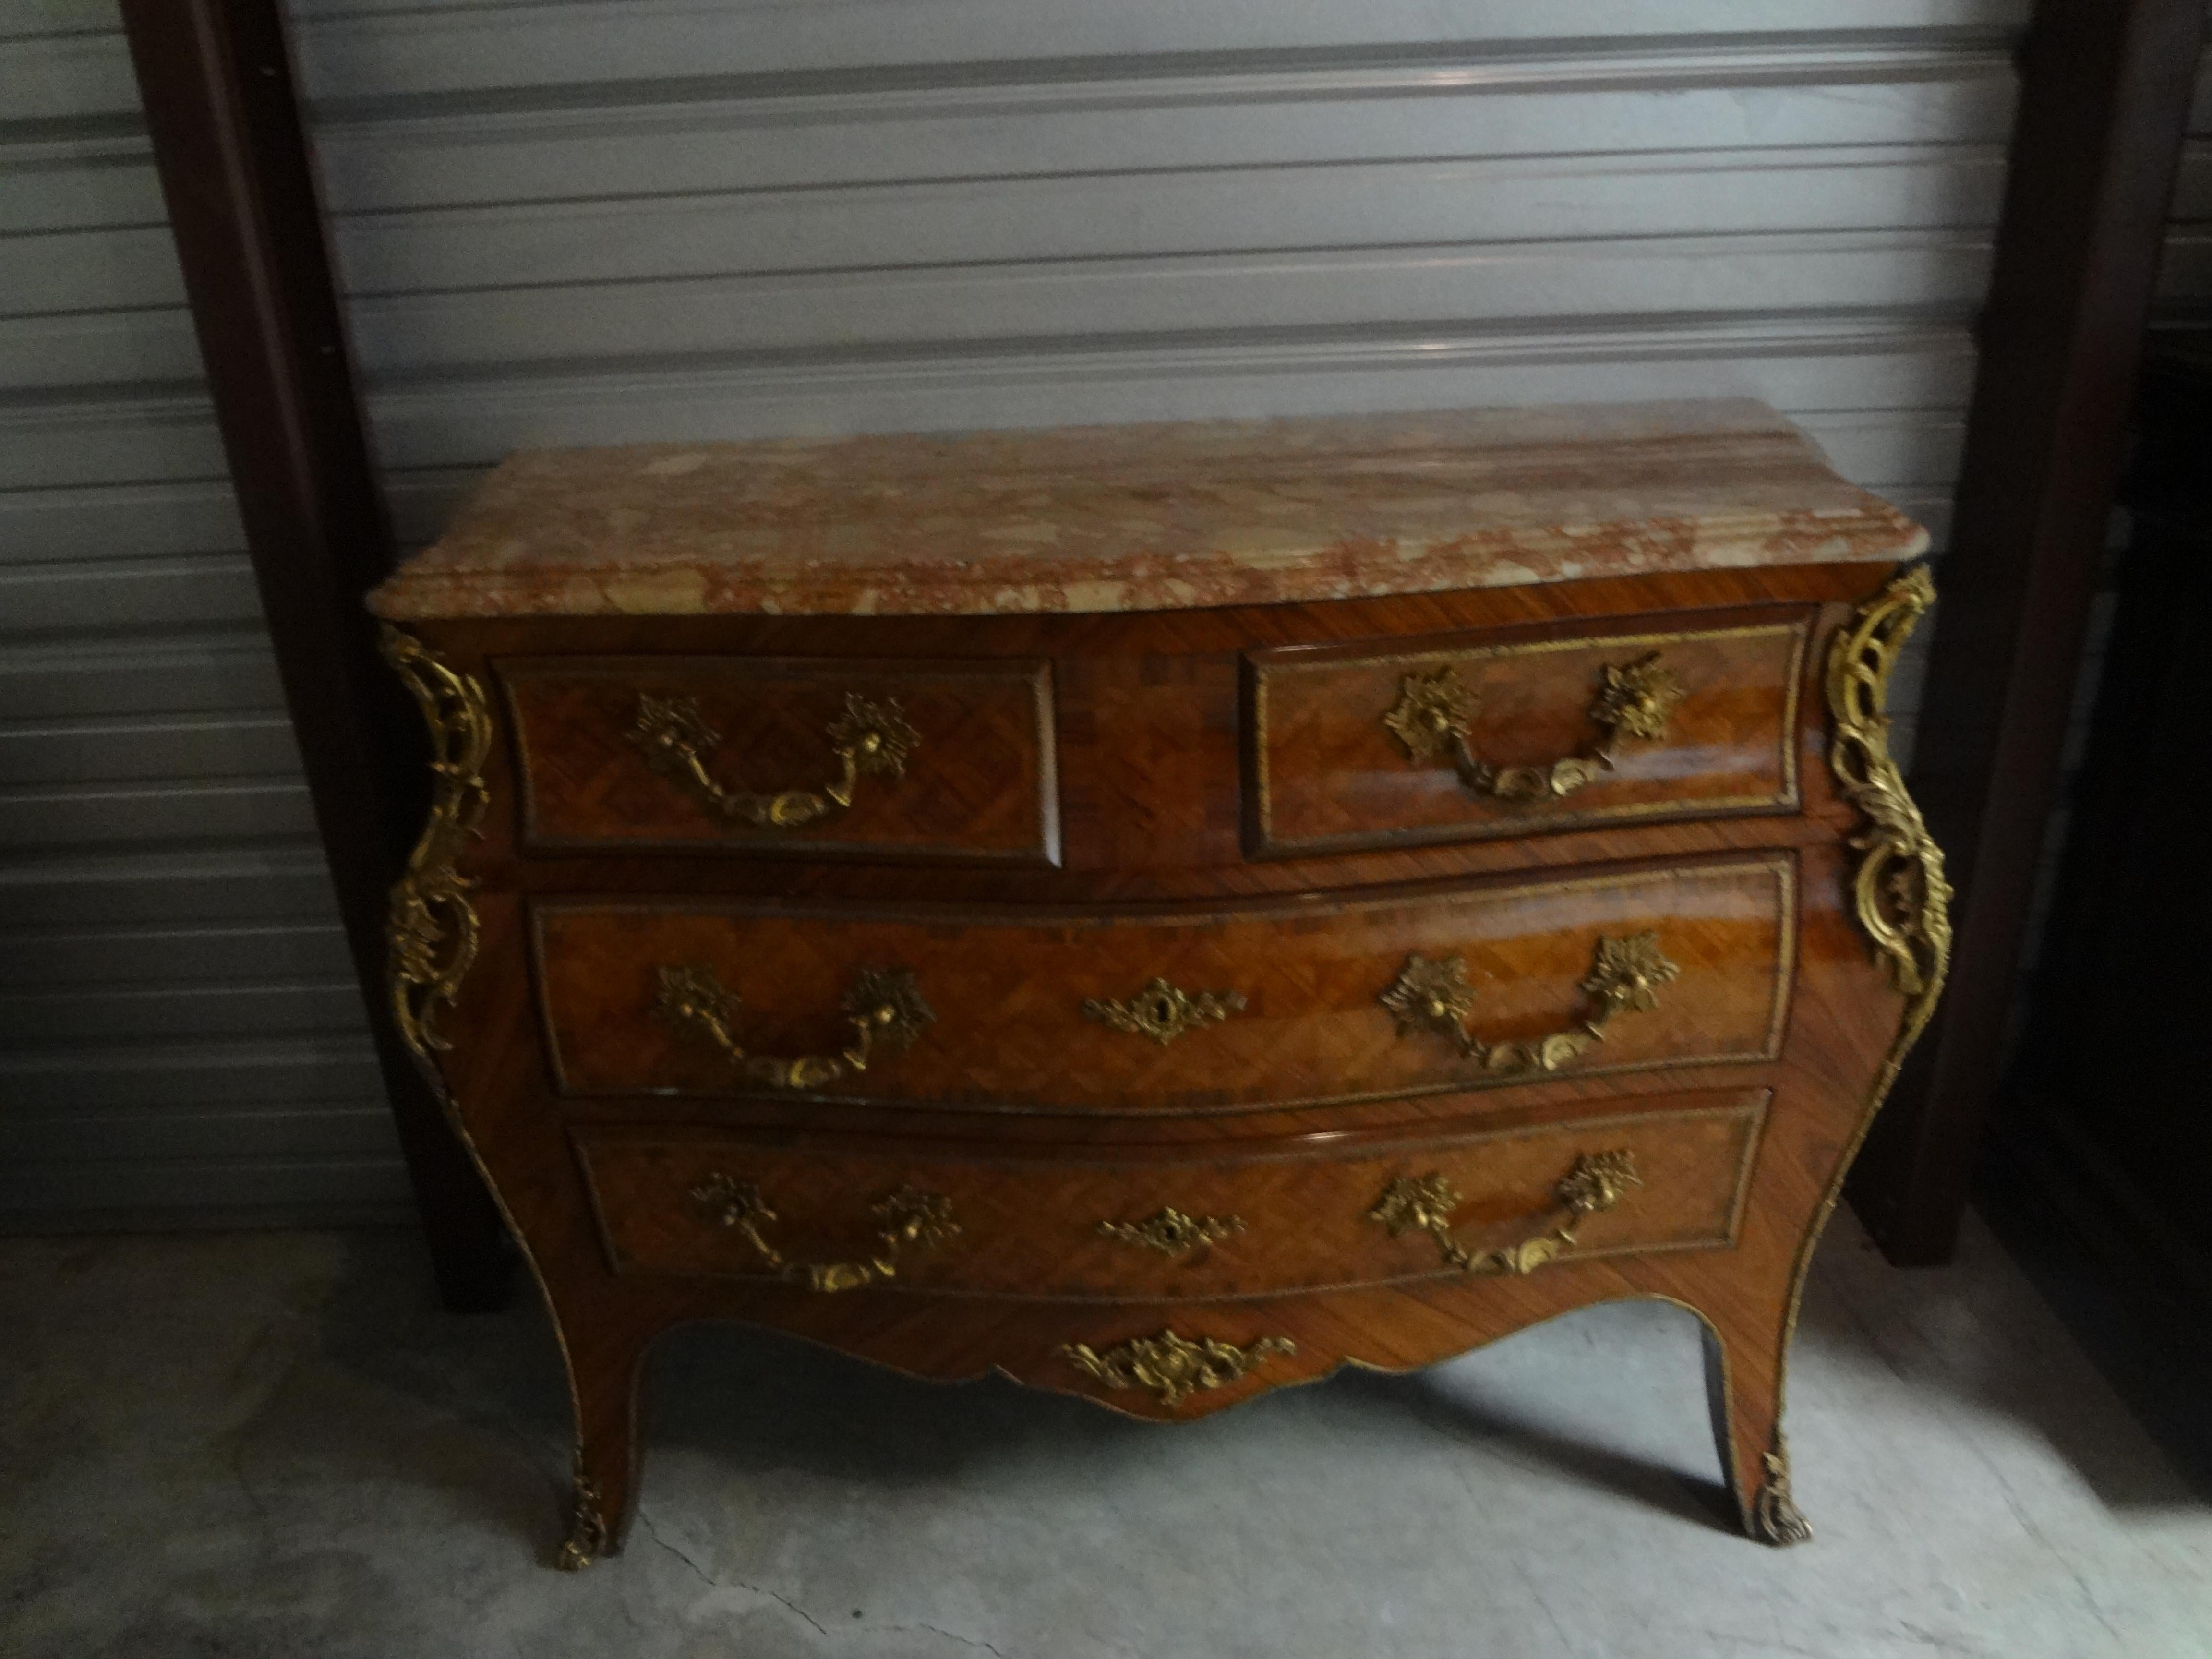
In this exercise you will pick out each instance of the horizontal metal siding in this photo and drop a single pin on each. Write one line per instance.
(181, 1040)
(603, 222)
(380, 49)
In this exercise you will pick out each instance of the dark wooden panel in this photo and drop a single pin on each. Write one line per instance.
(978, 783)
(216, 79)
(2105, 100)
(1327, 774)
(1009, 990)
(1289, 1219)
(2105, 1103)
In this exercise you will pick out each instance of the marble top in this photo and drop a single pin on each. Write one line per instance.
(1145, 517)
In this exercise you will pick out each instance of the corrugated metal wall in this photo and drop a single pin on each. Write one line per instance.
(627, 219)
(181, 1035)
(593, 222)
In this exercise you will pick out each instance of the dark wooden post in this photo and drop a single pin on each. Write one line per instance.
(216, 79)
(2105, 103)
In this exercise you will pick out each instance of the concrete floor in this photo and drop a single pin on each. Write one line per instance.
(271, 1444)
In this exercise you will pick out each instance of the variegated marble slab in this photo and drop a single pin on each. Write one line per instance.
(1145, 517)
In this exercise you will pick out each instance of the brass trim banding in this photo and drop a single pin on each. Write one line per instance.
(429, 899)
(1902, 900)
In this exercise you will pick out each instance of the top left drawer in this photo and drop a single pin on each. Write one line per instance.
(808, 758)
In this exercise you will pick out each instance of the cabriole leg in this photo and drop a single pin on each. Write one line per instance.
(605, 1373)
(1743, 1385)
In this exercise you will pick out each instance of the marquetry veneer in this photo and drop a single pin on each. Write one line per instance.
(1168, 911)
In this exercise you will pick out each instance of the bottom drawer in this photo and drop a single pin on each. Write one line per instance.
(1094, 1224)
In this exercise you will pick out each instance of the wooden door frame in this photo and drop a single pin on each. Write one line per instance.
(2105, 100)
(2104, 95)
(216, 77)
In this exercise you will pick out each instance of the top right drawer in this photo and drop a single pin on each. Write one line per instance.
(1456, 738)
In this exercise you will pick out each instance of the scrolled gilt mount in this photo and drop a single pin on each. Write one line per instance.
(431, 930)
(1435, 711)
(912, 1222)
(1625, 978)
(1900, 893)
(1425, 1204)
(869, 740)
(1173, 1367)
(884, 1007)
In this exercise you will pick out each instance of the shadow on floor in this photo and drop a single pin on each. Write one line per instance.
(759, 1401)
(1649, 1481)
(2152, 1351)
(1987, 1331)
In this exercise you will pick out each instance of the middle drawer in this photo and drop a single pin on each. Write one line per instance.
(1288, 1001)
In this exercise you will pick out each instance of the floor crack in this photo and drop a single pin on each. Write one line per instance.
(1543, 1604)
(787, 1603)
(954, 1635)
(653, 1532)
(645, 1520)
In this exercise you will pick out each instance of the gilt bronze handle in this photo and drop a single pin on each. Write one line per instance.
(884, 1007)
(1426, 1204)
(869, 739)
(1435, 996)
(1434, 711)
(912, 1222)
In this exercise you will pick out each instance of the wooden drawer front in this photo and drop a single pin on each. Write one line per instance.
(1100, 1224)
(1328, 771)
(1284, 1000)
(953, 759)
